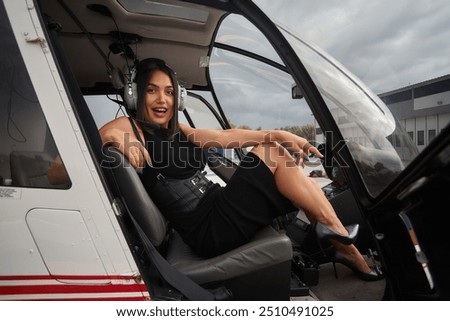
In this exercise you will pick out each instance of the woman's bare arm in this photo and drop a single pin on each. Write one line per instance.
(236, 138)
(119, 134)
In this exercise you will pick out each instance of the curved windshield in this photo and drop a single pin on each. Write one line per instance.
(237, 31)
(380, 147)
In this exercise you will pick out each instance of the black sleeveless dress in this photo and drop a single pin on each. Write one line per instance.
(226, 217)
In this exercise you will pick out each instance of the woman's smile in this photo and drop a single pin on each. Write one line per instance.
(159, 99)
(160, 112)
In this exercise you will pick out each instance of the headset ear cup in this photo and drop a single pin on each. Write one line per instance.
(182, 94)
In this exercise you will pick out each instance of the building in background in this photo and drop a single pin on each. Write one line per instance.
(423, 108)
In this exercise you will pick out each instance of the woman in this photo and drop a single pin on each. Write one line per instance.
(268, 183)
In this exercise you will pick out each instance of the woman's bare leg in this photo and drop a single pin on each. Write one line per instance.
(306, 194)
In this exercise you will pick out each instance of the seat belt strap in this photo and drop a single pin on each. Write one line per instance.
(187, 287)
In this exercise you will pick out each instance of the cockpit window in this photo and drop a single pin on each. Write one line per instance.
(255, 95)
(236, 31)
(28, 154)
(380, 147)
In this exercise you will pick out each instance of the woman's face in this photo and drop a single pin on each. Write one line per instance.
(159, 99)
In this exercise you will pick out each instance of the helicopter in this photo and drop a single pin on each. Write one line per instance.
(96, 235)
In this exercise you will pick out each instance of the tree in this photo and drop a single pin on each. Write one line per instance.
(306, 131)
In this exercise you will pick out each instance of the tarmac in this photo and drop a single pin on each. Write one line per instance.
(346, 287)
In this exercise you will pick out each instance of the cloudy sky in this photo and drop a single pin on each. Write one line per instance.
(387, 44)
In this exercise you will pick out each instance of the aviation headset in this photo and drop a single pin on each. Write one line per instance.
(131, 96)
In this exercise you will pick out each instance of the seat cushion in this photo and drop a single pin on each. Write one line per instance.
(266, 249)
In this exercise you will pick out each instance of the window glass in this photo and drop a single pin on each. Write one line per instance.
(364, 121)
(255, 95)
(420, 138)
(200, 114)
(103, 109)
(28, 155)
(431, 134)
(237, 31)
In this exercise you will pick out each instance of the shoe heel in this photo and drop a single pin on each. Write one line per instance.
(326, 256)
(375, 273)
(334, 269)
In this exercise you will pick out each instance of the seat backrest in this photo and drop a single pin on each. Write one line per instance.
(134, 195)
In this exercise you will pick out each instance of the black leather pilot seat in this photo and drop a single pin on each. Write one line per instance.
(258, 270)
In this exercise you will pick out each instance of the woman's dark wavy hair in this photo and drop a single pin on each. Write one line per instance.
(144, 71)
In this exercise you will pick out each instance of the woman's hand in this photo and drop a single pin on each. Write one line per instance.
(298, 146)
(309, 149)
(294, 143)
(118, 133)
(136, 153)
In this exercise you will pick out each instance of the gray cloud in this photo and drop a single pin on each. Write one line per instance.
(387, 44)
